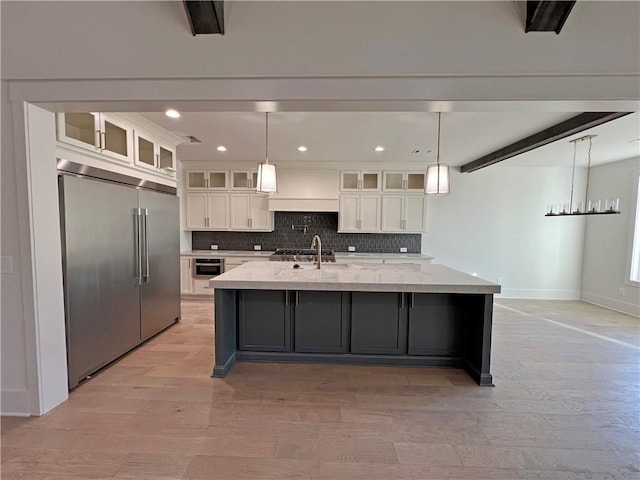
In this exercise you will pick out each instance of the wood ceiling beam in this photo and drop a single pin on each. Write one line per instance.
(205, 17)
(560, 130)
(547, 16)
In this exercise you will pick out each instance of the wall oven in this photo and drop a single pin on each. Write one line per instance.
(207, 267)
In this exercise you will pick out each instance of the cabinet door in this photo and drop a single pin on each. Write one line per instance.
(201, 287)
(370, 213)
(349, 181)
(80, 129)
(393, 181)
(321, 322)
(196, 180)
(370, 181)
(378, 323)
(218, 218)
(186, 276)
(196, 207)
(415, 182)
(415, 214)
(241, 179)
(261, 217)
(240, 212)
(392, 218)
(217, 180)
(436, 324)
(117, 138)
(145, 153)
(166, 158)
(264, 321)
(349, 213)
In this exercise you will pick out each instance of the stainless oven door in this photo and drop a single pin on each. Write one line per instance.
(207, 267)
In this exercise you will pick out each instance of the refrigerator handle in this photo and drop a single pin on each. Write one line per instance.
(145, 214)
(138, 247)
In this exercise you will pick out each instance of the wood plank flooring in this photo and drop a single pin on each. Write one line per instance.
(566, 405)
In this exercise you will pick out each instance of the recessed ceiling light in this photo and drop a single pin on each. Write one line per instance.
(171, 113)
(302, 148)
(221, 148)
(379, 148)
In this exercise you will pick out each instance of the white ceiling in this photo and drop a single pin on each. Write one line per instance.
(351, 137)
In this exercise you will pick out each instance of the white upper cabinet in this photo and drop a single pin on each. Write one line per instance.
(206, 180)
(404, 213)
(352, 181)
(98, 132)
(244, 179)
(407, 182)
(207, 211)
(359, 213)
(250, 212)
(153, 154)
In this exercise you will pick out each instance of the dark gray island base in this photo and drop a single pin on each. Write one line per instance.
(350, 316)
(375, 328)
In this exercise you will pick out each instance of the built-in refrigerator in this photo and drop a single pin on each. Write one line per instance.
(121, 264)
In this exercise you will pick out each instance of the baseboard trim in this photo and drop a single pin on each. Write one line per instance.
(612, 304)
(540, 294)
(15, 403)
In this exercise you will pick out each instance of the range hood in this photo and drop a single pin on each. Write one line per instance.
(302, 190)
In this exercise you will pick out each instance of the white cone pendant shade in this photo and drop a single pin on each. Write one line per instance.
(266, 178)
(437, 173)
(266, 182)
(438, 178)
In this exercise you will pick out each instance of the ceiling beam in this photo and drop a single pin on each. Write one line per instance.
(205, 17)
(547, 16)
(560, 130)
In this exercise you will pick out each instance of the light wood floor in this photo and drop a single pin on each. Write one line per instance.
(565, 406)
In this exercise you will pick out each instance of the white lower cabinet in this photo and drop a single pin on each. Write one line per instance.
(201, 287)
(359, 213)
(186, 276)
(207, 211)
(250, 212)
(404, 213)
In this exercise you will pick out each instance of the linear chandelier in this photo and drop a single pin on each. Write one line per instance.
(586, 206)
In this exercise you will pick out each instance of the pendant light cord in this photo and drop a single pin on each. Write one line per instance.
(438, 150)
(266, 138)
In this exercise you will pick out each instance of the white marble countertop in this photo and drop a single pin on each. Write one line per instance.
(339, 255)
(425, 278)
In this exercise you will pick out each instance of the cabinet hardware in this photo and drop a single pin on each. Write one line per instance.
(405, 184)
(99, 142)
(401, 300)
(359, 184)
(286, 298)
(206, 182)
(411, 300)
(297, 298)
(249, 222)
(103, 145)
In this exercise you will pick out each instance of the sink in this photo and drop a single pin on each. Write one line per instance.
(313, 266)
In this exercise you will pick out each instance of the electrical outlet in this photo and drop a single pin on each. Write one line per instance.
(403, 249)
(257, 247)
(214, 247)
(621, 292)
(499, 280)
(351, 249)
(6, 264)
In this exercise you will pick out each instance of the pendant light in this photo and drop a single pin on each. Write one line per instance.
(266, 182)
(586, 206)
(437, 173)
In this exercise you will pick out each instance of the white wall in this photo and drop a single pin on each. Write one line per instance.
(15, 398)
(493, 224)
(608, 239)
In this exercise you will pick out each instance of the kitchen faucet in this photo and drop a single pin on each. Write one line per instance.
(313, 244)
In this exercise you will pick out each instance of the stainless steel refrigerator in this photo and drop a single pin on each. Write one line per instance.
(121, 264)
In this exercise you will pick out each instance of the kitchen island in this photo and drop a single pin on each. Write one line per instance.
(419, 315)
